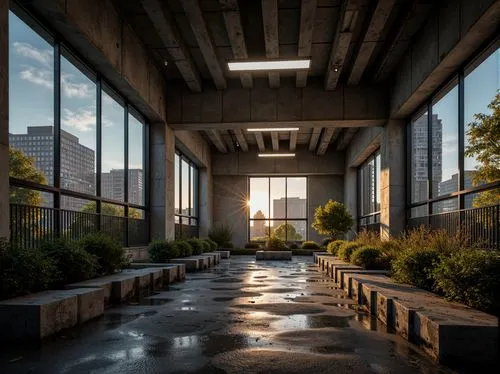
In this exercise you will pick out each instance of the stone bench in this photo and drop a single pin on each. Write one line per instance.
(448, 332)
(214, 255)
(190, 264)
(273, 255)
(224, 254)
(204, 262)
(170, 271)
(317, 254)
(37, 316)
(143, 284)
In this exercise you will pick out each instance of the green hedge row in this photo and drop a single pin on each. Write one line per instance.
(164, 250)
(276, 244)
(56, 263)
(449, 266)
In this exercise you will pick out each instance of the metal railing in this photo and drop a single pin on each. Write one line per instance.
(480, 225)
(31, 225)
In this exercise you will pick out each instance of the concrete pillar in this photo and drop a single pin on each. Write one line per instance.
(205, 200)
(4, 118)
(351, 196)
(162, 158)
(392, 179)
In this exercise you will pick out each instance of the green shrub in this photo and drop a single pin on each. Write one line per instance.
(23, 271)
(333, 247)
(196, 245)
(213, 245)
(185, 249)
(415, 266)
(471, 277)
(345, 251)
(275, 244)
(369, 258)
(163, 250)
(310, 245)
(227, 245)
(110, 255)
(332, 219)
(221, 234)
(293, 246)
(207, 247)
(252, 245)
(74, 264)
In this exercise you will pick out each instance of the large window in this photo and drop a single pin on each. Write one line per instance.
(369, 192)
(277, 207)
(186, 197)
(71, 165)
(454, 180)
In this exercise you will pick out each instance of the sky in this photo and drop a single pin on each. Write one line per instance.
(31, 89)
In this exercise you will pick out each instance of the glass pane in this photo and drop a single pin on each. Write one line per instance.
(194, 191)
(136, 213)
(117, 210)
(480, 88)
(78, 129)
(278, 229)
(419, 159)
(259, 230)
(377, 183)
(482, 199)
(79, 205)
(31, 104)
(278, 197)
(177, 178)
(26, 196)
(135, 161)
(445, 206)
(419, 211)
(113, 149)
(296, 197)
(445, 144)
(259, 198)
(185, 187)
(296, 230)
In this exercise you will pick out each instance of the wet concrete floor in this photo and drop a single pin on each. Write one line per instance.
(242, 316)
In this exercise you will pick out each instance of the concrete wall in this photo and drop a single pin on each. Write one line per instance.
(305, 163)
(451, 35)
(4, 118)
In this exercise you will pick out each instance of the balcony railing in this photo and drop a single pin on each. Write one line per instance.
(480, 225)
(30, 225)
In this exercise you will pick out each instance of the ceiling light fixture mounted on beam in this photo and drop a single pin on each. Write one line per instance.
(276, 154)
(269, 65)
(270, 129)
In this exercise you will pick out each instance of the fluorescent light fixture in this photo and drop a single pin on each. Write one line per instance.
(269, 65)
(276, 154)
(267, 129)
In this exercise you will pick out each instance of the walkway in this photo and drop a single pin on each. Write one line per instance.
(240, 317)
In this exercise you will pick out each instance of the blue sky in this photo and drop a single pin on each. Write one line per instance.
(31, 99)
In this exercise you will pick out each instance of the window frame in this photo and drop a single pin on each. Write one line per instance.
(193, 201)
(284, 219)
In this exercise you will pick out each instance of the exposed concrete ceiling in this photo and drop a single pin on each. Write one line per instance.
(350, 43)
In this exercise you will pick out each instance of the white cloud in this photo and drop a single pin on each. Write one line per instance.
(39, 77)
(71, 89)
(44, 57)
(83, 119)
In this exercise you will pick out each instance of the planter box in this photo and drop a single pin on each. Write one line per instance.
(224, 254)
(191, 264)
(273, 255)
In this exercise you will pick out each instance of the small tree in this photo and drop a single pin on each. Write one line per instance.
(286, 231)
(332, 219)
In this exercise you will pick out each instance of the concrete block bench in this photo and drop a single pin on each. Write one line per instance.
(215, 256)
(448, 332)
(224, 254)
(170, 271)
(143, 284)
(273, 255)
(191, 264)
(317, 254)
(40, 315)
(204, 262)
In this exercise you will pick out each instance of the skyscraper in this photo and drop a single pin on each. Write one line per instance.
(113, 185)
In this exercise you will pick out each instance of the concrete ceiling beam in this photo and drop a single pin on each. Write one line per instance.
(346, 138)
(326, 138)
(275, 141)
(242, 141)
(293, 141)
(260, 142)
(164, 24)
(307, 19)
(270, 21)
(313, 142)
(372, 39)
(204, 40)
(229, 142)
(216, 138)
(350, 20)
(232, 20)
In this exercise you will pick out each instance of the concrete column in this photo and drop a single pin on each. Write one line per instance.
(162, 181)
(4, 118)
(205, 200)
(392, 179)
(351, 196)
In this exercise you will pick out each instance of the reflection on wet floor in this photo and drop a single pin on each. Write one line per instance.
(241, 316)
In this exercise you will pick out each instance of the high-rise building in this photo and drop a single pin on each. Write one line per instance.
(113, 185)
(77, 165)
(420, 157)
